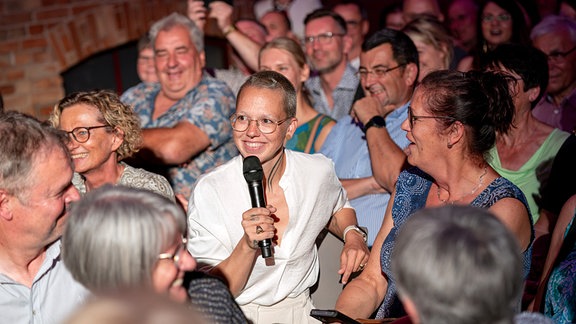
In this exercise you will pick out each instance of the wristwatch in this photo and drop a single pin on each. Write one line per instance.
(376, 121)
(354, 228)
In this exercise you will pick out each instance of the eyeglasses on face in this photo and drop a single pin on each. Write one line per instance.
(500, 18)
(323, 39)
(82, 134)
(241, 123)
(177, 254)
(378, 72)
(557, 56)
(412, 118)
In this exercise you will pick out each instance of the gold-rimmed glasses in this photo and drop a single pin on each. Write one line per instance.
(177, 254)
(241, 123)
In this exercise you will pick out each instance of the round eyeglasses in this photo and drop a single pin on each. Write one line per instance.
(82, 134)
(177, 254)
(241, 123)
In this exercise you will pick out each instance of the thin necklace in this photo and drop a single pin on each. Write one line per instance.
(480, 182)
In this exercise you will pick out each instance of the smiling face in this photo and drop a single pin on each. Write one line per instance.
(168, 275)
(274, 59)
(40, 212)
(177, 61)
(357, 27)
(395, 86)
(426, 142)
(256, 104)
(100, 149)
(462, 17)
(326, 57)
(496, 24)
(145, 66)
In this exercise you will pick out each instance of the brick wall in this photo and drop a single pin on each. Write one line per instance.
(39, 39)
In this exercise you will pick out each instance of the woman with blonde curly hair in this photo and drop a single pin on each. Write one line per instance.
(103, 131)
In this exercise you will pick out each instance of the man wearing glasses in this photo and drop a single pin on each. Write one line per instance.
(303, 196)
(367, 147)
(556, 37)
(327, 44)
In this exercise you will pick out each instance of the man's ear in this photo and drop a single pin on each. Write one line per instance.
(410, 309)
(410, 74)
(5, 211)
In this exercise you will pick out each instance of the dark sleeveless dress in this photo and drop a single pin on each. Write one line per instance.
(412, 189)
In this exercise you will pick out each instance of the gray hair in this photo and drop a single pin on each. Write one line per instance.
(272, 80)
(458, 264)
(552, 24)
(176, 19)
(115, 234)
(24, 141)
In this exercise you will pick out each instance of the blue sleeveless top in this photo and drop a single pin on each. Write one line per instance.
(412, 189)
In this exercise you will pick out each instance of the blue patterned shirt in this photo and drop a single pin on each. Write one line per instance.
(207, 106)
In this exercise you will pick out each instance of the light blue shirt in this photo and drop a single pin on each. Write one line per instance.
(346, 146)
(54, 294)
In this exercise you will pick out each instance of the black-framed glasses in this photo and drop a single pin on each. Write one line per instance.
(321, 39)
(177, 256)
(500, 18)
(241, 123)
(557, 56)
(82, 134)
(379, 72)
(412, 118)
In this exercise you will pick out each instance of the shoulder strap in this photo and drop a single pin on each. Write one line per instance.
(312, 134)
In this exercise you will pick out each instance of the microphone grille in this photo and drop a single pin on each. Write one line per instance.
(252, 169)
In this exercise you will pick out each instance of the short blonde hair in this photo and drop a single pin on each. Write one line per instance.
(431, 31)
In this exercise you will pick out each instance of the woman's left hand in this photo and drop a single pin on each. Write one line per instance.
(354, 255)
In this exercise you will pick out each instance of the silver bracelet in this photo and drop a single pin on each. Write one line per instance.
(354, 228)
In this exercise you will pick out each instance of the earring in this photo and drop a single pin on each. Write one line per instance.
(450, 145)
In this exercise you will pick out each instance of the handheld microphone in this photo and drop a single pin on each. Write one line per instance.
(254, 175)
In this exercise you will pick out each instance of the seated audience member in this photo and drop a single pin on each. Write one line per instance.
(185, 116)
(137, 306)
(557, 291)
(568, 8)
(303, 196)
(434, 44)
(391, 17)
(556, 37)
(450, 265)
(369, 143)
(296, 10)
(522, 150)
(145, 66)
(35, 192)
(357, 24)
(462, 21)
(277, 25)
(499, 22)
(102, 132)
(285, 56)
(452, 122)
(120, 238)
(327, 44)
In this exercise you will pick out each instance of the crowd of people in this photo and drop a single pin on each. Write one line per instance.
(439, 148)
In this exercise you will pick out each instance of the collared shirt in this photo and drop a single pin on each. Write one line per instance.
(346, 146)
(562, 116)
(54, 294)
(313, 194)
(208, 107)
(343, 94)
